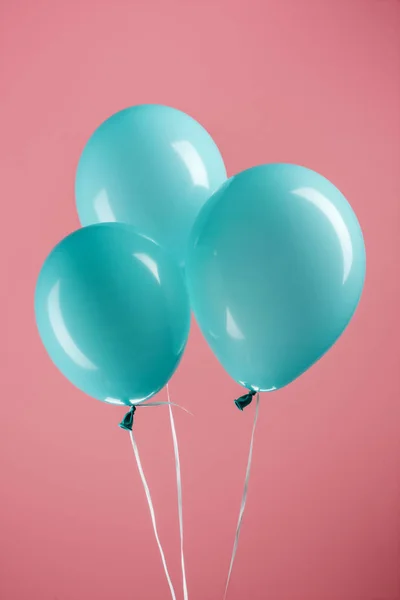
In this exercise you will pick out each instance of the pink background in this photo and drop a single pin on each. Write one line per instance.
(316, 82)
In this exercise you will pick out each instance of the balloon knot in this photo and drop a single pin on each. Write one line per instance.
(127, 421)
(245, 400)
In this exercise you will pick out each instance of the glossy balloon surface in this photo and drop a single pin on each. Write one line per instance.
(150, 166)
(112, 311)
(275, 270)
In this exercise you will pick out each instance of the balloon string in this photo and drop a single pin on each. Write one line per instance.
(127, 421)
(144, 404)
(152, 513)
(179, 493)
(244, 497)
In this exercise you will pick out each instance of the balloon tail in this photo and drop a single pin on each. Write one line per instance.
(245, 400)
(127, 421)
(151, 508)
(245, 490)
(179, 493)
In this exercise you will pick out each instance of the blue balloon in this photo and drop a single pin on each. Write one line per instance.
(275, 270)
(113, 312)
(152, 167)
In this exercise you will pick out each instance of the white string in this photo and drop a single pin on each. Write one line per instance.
(143, 404)
(179, 492)
(152, 514)
(244, 497)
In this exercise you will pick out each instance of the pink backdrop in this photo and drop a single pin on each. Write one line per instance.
(316, 82)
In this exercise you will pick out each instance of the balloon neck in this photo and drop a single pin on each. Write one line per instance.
(245, 400)
(127, 421)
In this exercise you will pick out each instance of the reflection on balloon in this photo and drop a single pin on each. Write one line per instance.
(337, 221)
(61, 332)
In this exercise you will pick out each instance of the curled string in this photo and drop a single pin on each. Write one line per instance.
(179, 493)
(244, 496)
(152, 513)
(128, 419)
(126, 424)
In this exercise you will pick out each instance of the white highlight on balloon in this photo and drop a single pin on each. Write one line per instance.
(61, 332)
(193, 162)
(103, 209)
(115, 401)
(330, 210)
(232, 327)
(149, 263)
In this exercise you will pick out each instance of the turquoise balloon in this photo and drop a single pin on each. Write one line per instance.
(113, 313)
(152, 167)
(275, 270)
